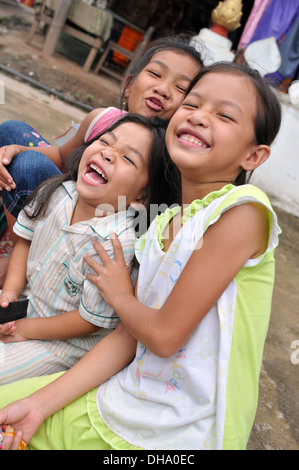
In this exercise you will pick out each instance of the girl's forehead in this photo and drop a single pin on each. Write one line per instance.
(172, 57)
(165, 54)
(219, 82)
(236, 87)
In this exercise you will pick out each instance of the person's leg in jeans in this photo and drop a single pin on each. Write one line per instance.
(28, 170)
(20, 133)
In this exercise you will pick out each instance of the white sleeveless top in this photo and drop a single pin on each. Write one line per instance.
(205, 395)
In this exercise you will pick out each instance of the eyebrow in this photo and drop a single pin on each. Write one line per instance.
(225, 102)
(127, 147)
(163, 65)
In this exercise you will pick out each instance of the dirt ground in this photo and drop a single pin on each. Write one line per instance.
(58, 72)
(276, 425)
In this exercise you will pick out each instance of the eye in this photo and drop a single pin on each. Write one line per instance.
(189, 105)
(128, 159)
(103, 141)
(154, 73)
(226, 117)
(182, 88)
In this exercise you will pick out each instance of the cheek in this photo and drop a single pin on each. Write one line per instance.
(170, 136)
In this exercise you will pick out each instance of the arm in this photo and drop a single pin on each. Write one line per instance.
(58, 155)
(240, 233)
(116, 350)
(60, 327)
(15, 280)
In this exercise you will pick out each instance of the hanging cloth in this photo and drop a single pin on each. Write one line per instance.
(276, 20)
(256, 14)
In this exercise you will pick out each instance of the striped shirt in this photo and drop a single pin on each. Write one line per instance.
(56, 271)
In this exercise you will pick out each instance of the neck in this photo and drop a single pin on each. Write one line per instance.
(82, 212)
(192, 191)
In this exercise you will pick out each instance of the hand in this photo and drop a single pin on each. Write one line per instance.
(7, 329)
(16, 334)
(113, 279)
(6, 297)
(7, 153)
(11, 443)
(25, 417)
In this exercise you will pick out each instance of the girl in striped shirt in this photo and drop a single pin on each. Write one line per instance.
(66, 314)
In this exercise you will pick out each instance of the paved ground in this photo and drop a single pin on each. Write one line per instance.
(276, 425)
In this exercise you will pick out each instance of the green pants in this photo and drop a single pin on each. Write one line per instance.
(69, 429)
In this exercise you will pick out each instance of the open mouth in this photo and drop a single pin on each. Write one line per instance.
(154, 103)
(94, 175)
(193, 140)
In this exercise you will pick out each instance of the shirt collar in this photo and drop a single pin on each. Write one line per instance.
(103, 226)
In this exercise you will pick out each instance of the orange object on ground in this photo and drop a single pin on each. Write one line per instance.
(129, 39)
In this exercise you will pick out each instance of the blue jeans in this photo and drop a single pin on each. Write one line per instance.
(29, 168)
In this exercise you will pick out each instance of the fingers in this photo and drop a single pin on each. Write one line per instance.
(4, 302)
(118, 251)
(105, 258)
(12, 442)
(6, 181)
(8, 329)
(102, 254)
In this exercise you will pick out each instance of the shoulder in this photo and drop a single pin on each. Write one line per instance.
(93, 114)
(100, 120)
(244, 227)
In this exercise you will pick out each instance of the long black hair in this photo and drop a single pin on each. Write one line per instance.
(162, 186)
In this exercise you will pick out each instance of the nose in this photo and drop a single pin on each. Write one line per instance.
(109, 154)
(199, 117)
(163, 89)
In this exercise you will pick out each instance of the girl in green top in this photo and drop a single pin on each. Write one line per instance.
(215, 291)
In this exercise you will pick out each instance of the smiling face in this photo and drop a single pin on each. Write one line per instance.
(159, 88)
(211, 137)
(115, 165)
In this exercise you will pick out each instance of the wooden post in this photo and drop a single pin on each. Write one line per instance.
(56, 27)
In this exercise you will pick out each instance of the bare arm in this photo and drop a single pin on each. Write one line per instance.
(15, 280)
(241, 233)
(116, 351)
(59, 327)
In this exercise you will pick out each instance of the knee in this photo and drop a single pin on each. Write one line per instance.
(9, 132)
(28, 169)
(32, 166)
(9, 126)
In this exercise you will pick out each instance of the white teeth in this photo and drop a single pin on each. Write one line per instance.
(193, 140)
(95, 168)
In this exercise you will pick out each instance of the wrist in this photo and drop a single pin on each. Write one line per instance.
(123, 302)
(22, 328)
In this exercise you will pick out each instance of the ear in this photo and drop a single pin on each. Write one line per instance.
(257, 156)
(127, 85)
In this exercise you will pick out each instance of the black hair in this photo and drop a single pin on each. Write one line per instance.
(159, 188)
(268, 115)
(177, 43)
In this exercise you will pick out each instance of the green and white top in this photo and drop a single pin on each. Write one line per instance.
(204, 396)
